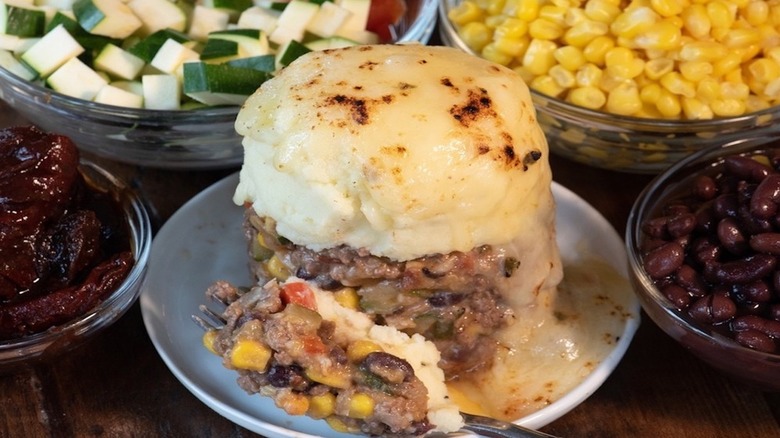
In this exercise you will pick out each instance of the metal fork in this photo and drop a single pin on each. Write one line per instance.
(482, 426)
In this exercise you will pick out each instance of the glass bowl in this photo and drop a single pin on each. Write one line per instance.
(714, 344)
(628, 144)
(41, 347)
(187, 139)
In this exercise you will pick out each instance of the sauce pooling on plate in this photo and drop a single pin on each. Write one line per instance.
(64, 245)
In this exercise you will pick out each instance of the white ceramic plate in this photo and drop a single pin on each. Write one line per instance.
(203, 242)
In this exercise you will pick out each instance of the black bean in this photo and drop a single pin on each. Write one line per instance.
(725, 206)
(744, 270)
(767, 243)
(746, 168)
(712, 309)
(705, 251)
(677, 295)
(681, 224)
(656, 227)
(444, 299)
(391, 369)
(704, 187)
(664, 260)
(285, 376)
(754, 292)
(774, 312)
(751, 224)
(705, 218)
(763, 204)
(690, 280)
(756, 340)
(731, 237)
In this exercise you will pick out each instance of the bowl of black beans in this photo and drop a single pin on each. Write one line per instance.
(703, 241)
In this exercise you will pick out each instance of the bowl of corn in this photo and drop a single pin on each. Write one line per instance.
(633, 85)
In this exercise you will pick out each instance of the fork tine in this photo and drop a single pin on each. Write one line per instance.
(210, 319)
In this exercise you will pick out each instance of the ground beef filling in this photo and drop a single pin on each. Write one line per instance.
(451, 299)
(286, 351)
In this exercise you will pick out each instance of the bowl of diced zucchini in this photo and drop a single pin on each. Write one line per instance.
(633, 86)
(159, 82)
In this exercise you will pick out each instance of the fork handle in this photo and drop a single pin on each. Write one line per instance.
(490, 427)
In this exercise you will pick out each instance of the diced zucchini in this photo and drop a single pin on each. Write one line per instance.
(258, 18)
(84, 38)
(328, 20)
(9, 62)
(157, 15)
(330, 43)
(60, 5)
(161, 92)
(206, 20)
(149, 46)
(76, 79)
(355, 25)
(265, 63)
(52, 51)
(218, 50)
(171, 56)
(232, 7)
(22, 22)
(111, 95)
(11, 43)
(110, 18)
(251, 42)
(293, 21)
(130, 86)
(362, 37)
(290, 52)
(220, 84)
(118, 62)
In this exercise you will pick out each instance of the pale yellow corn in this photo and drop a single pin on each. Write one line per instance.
(527, 10)
(695, 109)
(742, 37)
(361, 406)
(208, 340)
(708, 89)
(734, 76)
(277, 269)
(569, 57)
(734, 90)
(757, 13)
(476, 35)
(622, 63)
(554, 13)
(358, 350)
(544, 29)
(249, 354)
(547, 85)
(602, 11)
(730, 62)
(347, 297)
(728, 107)
(668, 105)
(720, 14)
(597, 49)
(696, 20)
(465, 12)
(650, 93)
(667, 8)
(695, 71)
(589, 75)
(755, 103)
(540, 56)
(584, 32)
(764, 69)
(664, 35)
(511, 28)
(624, 99)
(655, 68)
(634, 21)
(703, 51)
(772, 89)
(339, 425)
(749, 52)
(512, 47)
(493, 53)
(562, 76)
(495, 7)
(676, 84)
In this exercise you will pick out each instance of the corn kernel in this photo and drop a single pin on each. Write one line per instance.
(495, 7)
(756, 103)
(708, 89)
(527, 10)
(675, 83)
(539, 57)
(347, 297)
(554, 13)
(655, 68)
(727, 107)
(588, 76)
(476, 35)
(293, 403)
(772, 89)
(650, 93)
(492, 53)
(609, 82)
(321, 406)
(596, 50)
(764, 69)
(562, 76)
(694, 109)
(569, 57)
(339, 425)
(664, 35)
(360, 406)
(622, 63)
(624, 100)
(208, 340)
(696, 21)
(358, 350)
(695, 71)
(734, 90)
(702, 51)
(465, 12)
(734, 76)
(720, 14)
(726, 64)
(602, 11)
(756, 13)
(512, 47)
(668, 104)
(584, 32)
(511, 28)
(748, 52)
(545, 84)
(667, 8)
(248, 354)
(634, 21)
(544, 29)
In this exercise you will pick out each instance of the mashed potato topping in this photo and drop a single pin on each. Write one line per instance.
(400, 150)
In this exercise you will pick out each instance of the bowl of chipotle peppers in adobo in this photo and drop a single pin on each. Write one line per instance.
(74, 244)
(704, 244)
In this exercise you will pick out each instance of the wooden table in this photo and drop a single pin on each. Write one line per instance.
(117, 386)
